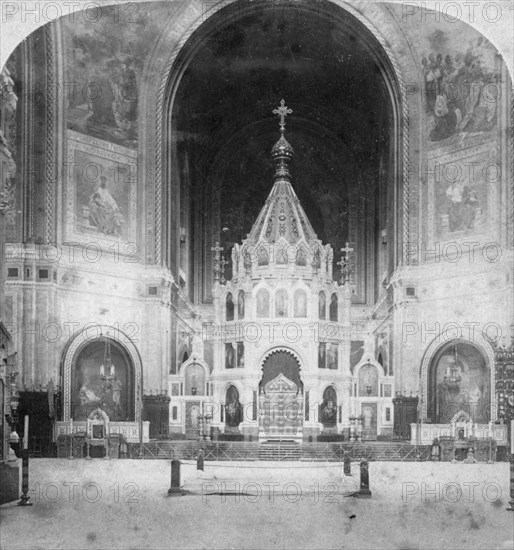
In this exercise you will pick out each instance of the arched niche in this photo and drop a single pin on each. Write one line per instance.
(300, 303)
(375, 26)
(116, 391)
(281, 361)
(322, 306)
(281, 303)
(459, 381)
(328, 408)
(102, 377)
(263, 303)
(428, 371)
(241, 304)
(195, 374)
(229, 307)
(233, 407)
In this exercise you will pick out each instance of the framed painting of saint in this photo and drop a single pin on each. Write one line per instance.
(101, 194)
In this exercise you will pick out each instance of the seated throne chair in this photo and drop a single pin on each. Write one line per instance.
(97, 432)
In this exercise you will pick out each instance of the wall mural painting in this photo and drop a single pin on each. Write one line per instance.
(101, 193)
(105, 69)
(368, 381)
(462, 194)
(101, 377)
(194, 380)
(460, 87)
(328, 409)
(233, 408)
(471, 392)
(193, 413)
(369, 417)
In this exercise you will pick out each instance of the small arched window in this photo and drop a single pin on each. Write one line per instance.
(333, 308)
(241, 305)
(229, 307)
(300, 303)
(263, 303)
(281, 304)
(301, 257)
(322, 307)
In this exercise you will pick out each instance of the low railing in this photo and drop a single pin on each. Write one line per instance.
(252, 451)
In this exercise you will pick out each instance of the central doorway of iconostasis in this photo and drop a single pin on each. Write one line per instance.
(280, 398)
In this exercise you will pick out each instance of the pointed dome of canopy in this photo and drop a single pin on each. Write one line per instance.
(282, 215)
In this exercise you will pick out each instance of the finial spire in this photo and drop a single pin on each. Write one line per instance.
(282, 111)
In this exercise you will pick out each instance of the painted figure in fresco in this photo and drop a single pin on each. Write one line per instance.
(234, 411)
(329, 413)
(194, 415)
(229, 356)
(116, 396)
(367, 413)
(104, 213)
(460, 90)
(332, 356)
(462, 208)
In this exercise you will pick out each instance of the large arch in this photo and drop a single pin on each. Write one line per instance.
(287, 351)
(163, 76)
(442, 340)
(87, 336)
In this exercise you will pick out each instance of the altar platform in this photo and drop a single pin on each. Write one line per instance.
(130, 431)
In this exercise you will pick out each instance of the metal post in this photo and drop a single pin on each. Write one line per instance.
(511, 501)
(175, 490)
(25, 499)
(364, 491)
(347, 468)
(71, 447)
(199, 460)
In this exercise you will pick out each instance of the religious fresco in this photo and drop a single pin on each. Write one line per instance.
(233, 408)
(193, 413)
(328, 408)
(194, 380)
(369, 417)
(462, 194)
(101, 193)
(368, 381)
(472, 392)
(460, 85)
(101, 379)
(104, 68)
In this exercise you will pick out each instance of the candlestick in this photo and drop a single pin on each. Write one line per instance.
(26, 433)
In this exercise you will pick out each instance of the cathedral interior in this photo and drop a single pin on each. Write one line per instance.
(256, 221)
